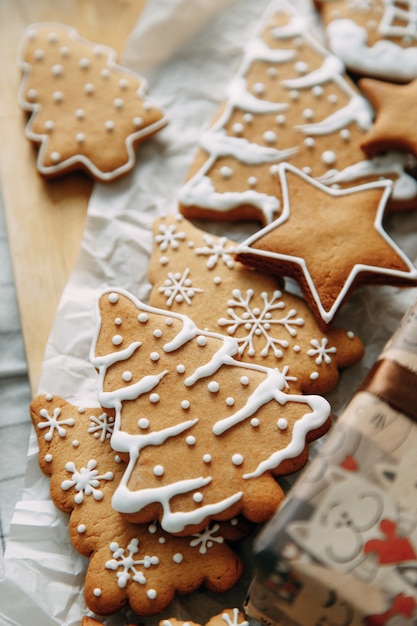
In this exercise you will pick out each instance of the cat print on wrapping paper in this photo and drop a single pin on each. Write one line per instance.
(358, 528)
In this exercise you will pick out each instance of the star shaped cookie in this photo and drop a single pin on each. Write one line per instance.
(394, 127)
(329, 240)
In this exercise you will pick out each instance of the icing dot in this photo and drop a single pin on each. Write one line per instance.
(137, 121)
(234, 521)
(97, 592)
(49, 125)
(118, 103)
(58, 96)
(177, 557)
(308, 114)
(317, 91)
(164, 260)
(81, 528)
(80, 114)
(213, 386)
(169, 321)
(190, 440)
(226, 172)
(280, 119)
(237, 459)
(75, 443)
(238, 128)
(38, 54)
(89, 88)
(350, 334)
(328, 157)
(57, 70)
(84, 63)
(307, 170)
(217, 280)
(52, 37)
(301, 67)
(185, 404)
(252, 181)
(345, 134)
(117, 340)
(198, 497)
(157, 333)
(294, 94)
(64, 51)
(55, 157)
(152, 528)
(123, 84)
(282, 423)
(127, 376)
(230, 401)
(309, 142)
(154, 356)
(117, 458)
(151, 593)
(269, 136)
(143, 317)
(314, 375)
(109, 125)
(118, 321)
(272, 72)
(48, 458)
(105, 73)
(254, 422)
(207, 458)
(180, 368)
(143, 423)
(154, 398)
(161, 540)
(202, 341)
(244, 380)
(79, 137)
(113, 298)
(248, 118)
(49, 397)
(158, 470)
(259, 88)
(296, 348)
(273, 170)
(332, 99)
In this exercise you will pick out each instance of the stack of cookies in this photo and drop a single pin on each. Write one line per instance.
(213, 391)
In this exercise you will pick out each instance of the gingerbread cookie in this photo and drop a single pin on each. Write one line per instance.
(290, 101)
(195, 273)
(128, 563)
(203, 433)
(373, 37)
(85, 111)
(394, 127)
(228, 617)
(330, 240)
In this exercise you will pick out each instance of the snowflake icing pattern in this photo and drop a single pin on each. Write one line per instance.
(321, 351)
(206, 538)
(216, 250)
(54, 424)
(128, 563)
(169, 237)
(259, 321)
(102, 426)
(86, 481)
(179, 287)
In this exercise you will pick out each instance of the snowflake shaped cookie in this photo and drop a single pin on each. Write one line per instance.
(138, 564)
(271, 326)
(86, 112)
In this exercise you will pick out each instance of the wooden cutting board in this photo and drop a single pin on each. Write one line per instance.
(45, 219)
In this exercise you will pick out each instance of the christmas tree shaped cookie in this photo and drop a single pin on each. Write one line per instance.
(204, 434)
(194, 272)
(129, 563)
(290, 101)
(86, 112)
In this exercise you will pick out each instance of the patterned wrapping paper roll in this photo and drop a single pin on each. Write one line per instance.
(343, 547)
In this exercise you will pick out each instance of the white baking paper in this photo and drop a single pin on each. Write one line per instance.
(188, 50)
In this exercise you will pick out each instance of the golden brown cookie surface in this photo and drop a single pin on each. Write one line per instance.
(194, 272)
(86, 112)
